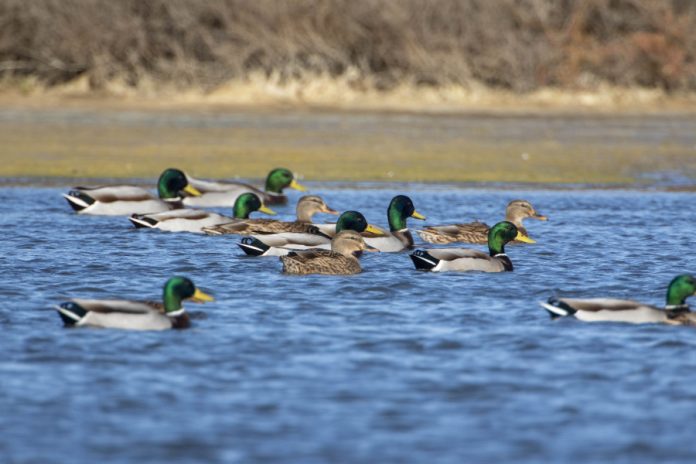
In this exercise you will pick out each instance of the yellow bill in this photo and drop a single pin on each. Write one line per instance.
(374, 230)
(418, 215)
(193, 191)
(201, 297)
(523, 238)
(297, 186)
(267, 210)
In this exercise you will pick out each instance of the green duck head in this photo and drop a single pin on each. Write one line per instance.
(681, 287)
(178, 289)
(401, 208)
(502, 233)
(247, 203)
(173, 184)
(353, 220)
(280, 178)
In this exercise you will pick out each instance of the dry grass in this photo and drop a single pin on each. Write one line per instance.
(518, 45)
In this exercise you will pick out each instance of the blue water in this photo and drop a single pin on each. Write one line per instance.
(390, 366)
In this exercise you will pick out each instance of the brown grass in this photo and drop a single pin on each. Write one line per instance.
(518, 45)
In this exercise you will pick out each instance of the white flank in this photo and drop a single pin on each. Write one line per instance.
(75, 200)
(553, 309)
(70, 314)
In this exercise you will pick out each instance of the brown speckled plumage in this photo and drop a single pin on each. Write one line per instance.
(261, 226)
(346, 246)
(477, 232)
(307, 206)
(320, 262)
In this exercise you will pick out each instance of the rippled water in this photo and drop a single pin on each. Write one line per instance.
(388, 366)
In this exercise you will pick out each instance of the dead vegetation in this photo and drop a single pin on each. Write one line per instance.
(517, 45)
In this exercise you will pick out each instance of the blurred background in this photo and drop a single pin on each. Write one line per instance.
(507, 57)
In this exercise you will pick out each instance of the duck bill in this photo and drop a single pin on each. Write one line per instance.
(540, 217)
(297, 186)
(417, 215)
(523, 238)
(193, 191)
(374, 230)
(328, 210)
(267, 210)
(201, 297)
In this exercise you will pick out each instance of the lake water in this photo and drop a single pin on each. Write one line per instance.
(389, 366)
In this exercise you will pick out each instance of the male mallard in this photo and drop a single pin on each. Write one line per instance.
(284, 243)
(307, 207)
(225, 193)
(194, 220)
(477, 232)
(342, 259)
(126, 199)
(675, 312)
(399, 237)
(463, 259)
(136, 315)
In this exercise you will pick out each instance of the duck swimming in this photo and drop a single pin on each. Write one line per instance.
(399, 237)
(136, 315)
(215, 194)
(121, 200)
(342, 259)
(477, 232)
(196, 220)
(307, 207)
(676, 310)
(320, 237)
(464, 259)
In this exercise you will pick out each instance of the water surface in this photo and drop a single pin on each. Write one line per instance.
(388, 366)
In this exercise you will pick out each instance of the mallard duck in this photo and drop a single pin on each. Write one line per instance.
(225, 193)
(121, 200)
(399, 237)
(135, 315)
(194, 220)
(320, 237)
(463, 259)
(342, 259)
(676, 311)
(307, 207)
(477, 232)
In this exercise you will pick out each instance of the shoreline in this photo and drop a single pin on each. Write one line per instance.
(254, 95)
(314, 185)
(80, 138)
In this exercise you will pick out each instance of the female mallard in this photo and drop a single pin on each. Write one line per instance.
(463, 259)
(342, 259)
(136, 315)
(320, 237)
(194, 220)
(225, 193)
(676, 311)
(118, 200)
(477, 232)
(399, 237)
(307, 207)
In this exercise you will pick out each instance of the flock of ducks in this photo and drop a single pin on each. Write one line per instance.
(305, 247)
